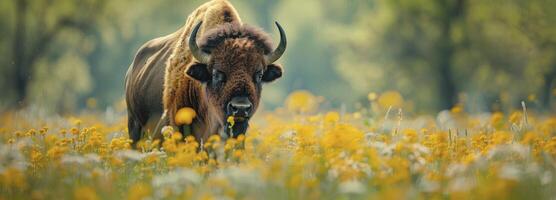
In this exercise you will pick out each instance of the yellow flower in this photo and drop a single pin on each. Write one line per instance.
(532, 97)
(238, 154)
(91, 103)
(496, 119)
(390, 98)
(516, 117)
(331, 117)
(457, 109)
(231, 121)
(56, 152)
(14, 178)
(85, 193)
(139, 191)
(371, 96)
(357, 115)
(301, 101)
(74, 131)
(410, 135)
(185, 116)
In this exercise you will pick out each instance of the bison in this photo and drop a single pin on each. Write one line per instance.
(214, 64)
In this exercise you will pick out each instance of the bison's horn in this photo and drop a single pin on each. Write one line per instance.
(277, 53)
(197, 53)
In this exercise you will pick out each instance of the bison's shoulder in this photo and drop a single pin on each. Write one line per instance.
(153, 47)
(146, 73)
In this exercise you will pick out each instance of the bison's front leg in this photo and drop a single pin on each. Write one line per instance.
(134, 129)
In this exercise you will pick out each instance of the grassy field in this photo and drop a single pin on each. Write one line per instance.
(293, 152)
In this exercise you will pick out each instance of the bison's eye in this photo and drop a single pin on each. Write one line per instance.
(258, 77)
(218, 76)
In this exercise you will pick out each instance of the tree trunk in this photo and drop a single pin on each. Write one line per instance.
(446, 84)
(549, 79)
(19, 62)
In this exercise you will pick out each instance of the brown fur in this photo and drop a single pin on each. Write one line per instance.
(157, 82)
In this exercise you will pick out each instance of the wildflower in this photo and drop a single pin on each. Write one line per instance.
(91, 103)
(131, 155)
(56, 152)
(457, 109)
(352, 187)
(139, 191)
(550, 146)
(390, 99)
(74, 131)
(120, 143)
(357, 115)
(85, 193)
(231, 121)
(167, 131)
(515, 117)
(532, 97)
(14, 178)
(410, 135)
(371, 96)
(331, 117)
(496, 119)
(185, 116)
(301, 102)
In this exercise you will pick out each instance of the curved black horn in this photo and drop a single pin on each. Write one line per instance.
(277, 53)
(197, 53)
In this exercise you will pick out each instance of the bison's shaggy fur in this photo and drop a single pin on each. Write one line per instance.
(216, 36)
(181, 90)
(158, 81)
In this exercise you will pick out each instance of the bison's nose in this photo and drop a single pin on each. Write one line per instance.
(240, 106)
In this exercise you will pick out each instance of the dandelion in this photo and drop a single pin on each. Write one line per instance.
(390, 99)
(185, 116)
(231, 121)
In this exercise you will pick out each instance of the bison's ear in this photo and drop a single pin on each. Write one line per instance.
(198, 71)
(272, 72)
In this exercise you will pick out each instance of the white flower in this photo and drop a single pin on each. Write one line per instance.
(175, 181)
(131, 155)
(510, 171)
(11, 157)
(241, 178)
(455, 170)
(460, 184)
(352, 187)
(546, 178)
(428, 185)
(80, 160)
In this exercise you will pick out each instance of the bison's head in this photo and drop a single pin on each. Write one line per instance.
(233, 61)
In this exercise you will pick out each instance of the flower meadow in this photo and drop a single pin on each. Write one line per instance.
(295, 152)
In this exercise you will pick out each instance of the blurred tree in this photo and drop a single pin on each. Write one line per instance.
(539, 25)
(37, 24)
(62, 52)
(435, 50)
